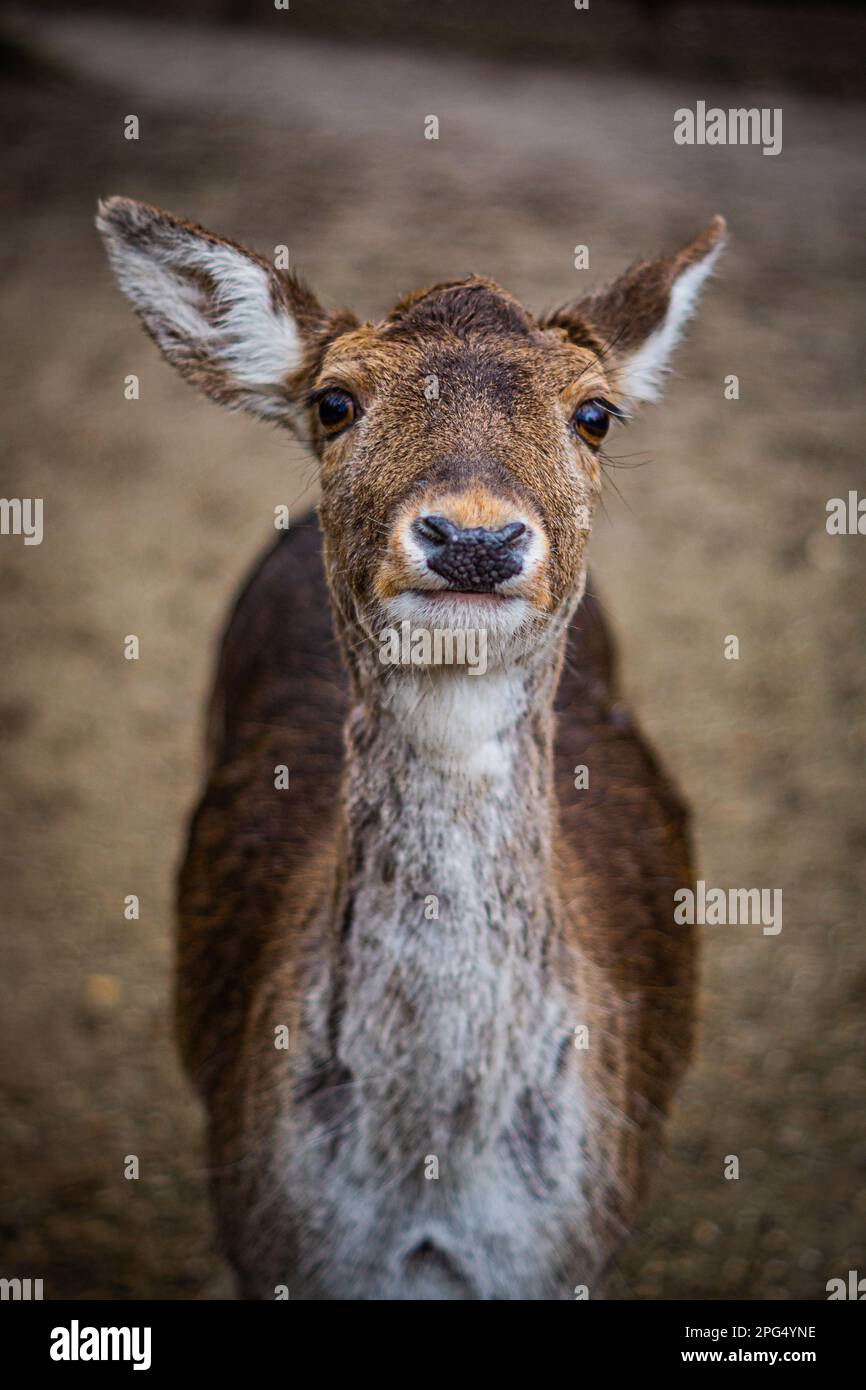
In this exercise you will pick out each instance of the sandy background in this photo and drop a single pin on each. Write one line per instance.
(155, 508)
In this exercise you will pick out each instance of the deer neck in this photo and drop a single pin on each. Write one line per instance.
(445, 921)
(434, 754)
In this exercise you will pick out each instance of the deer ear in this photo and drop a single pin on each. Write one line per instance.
(636, 321)
(246, 334)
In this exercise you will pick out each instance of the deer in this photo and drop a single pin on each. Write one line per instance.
(431, 992)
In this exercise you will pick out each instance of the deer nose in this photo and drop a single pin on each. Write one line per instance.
(472, 558)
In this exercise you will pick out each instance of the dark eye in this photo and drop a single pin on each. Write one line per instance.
(337, 410)
(592, 420)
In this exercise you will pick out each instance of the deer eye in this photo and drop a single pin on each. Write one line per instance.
(337, 411)
(592, 420)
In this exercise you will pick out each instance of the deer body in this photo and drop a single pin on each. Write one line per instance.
(486, 1000)
(451, 1038)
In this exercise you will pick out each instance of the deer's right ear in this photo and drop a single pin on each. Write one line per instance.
(246, 334)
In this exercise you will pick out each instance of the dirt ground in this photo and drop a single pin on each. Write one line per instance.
(154, 509)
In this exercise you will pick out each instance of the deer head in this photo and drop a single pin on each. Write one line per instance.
(460, 439)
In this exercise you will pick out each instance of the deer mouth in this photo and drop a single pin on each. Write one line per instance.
(464, 594)
(497, 617)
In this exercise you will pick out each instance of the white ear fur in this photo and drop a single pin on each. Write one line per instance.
(215, 310)
(642, 372)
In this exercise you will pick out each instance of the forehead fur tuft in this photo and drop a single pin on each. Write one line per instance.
(473, 305)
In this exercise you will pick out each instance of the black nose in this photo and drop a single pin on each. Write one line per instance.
(474, 559)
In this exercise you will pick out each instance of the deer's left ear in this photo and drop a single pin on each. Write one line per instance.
(636, 321)
(246, 334)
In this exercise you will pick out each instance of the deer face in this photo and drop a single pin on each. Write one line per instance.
(461, 441)
(460, 462)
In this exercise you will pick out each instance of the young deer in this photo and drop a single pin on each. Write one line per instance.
(487, 1001)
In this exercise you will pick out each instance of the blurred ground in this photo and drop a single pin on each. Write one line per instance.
(155, 508)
